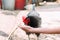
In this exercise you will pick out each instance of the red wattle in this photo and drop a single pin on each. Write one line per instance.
(25, 20)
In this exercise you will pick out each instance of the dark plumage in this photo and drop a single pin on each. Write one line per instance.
(35, 21)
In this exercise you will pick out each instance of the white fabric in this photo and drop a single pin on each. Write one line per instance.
(50, 19)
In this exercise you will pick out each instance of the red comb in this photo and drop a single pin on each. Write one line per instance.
(25, 20)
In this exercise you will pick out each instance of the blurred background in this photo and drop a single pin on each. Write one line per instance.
(20, 4)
